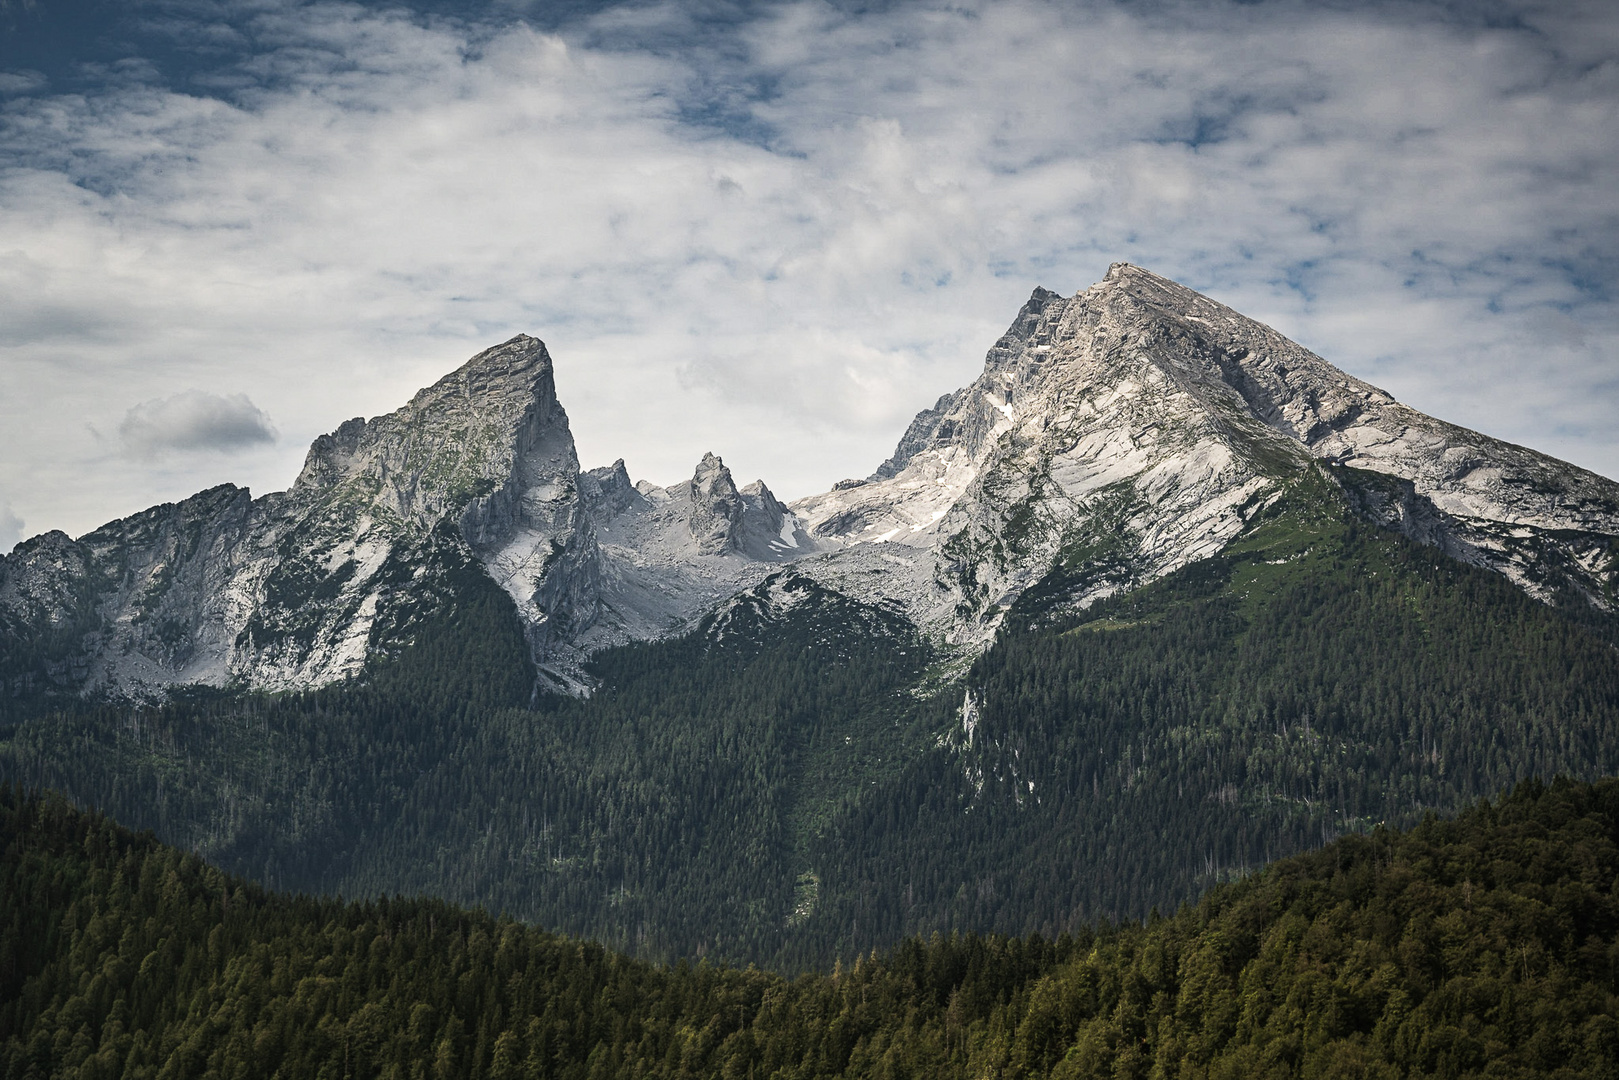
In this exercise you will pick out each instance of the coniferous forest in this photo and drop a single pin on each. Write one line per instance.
(794, 788)
(1110, 688)
(1486, 945)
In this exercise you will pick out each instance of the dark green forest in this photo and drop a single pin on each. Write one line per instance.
(1320, 676)
(1487, 945)
(783, 788)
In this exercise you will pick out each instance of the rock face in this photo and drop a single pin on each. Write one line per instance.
(1116, 435)
(671, 554)
(1090, 437)
(1544, 523)
(301, 587)
(715, 506)
(1137, 426)
(152, 598)
(298, 588)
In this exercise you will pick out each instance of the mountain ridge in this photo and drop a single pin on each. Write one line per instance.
(1117, 415)
(1112, 438)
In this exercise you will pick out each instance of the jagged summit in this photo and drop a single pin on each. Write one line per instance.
(300, 587)
(1114, 435)
(1141, 418)
(716, 506)
(608, 491)
(670, 554)
(499, 382)
(521, 360)
(468, 428)
(724, 519)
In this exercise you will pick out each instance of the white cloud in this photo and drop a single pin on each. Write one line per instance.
(11, 527)
(194, 420)
(1425, 203)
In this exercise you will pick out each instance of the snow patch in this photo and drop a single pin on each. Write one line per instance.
(1003, 407)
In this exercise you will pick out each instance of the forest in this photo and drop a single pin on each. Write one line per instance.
(1484, 945)
(794, 788)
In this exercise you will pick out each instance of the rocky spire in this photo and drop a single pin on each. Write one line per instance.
(607, 491)
(716, 506)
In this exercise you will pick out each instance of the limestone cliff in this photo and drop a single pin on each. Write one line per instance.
(1115, 435)
(300, 587)
(1137, 426)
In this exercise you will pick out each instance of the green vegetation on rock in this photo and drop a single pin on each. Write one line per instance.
(1321, 676)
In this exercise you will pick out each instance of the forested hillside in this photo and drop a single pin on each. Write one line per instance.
(1321, 676)
(669, 813)
(780, 786)
(1486, 945)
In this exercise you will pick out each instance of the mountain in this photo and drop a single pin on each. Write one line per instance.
(1476, 947)
(300, 588)
(1113, 437)
(1138, 426)
(671, 554)
(1159, 598)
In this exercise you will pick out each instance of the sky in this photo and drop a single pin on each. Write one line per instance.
(770, 230)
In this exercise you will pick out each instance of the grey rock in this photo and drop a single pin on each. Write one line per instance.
(1136, 427)
(1121, 433)
(923, 430)
(608, 492)
(714, 512)
(1542, 522)
(300, 587)
(671, 554)
(758, 533)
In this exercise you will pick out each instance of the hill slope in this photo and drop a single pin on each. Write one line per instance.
(1484, 946)
(1320, 676)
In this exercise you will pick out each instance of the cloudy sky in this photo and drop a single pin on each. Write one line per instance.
(773, 230)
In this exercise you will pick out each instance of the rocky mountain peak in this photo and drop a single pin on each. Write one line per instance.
(1145, 420)
(1032, 324)
(608, 492)
(331, 457)
(1111, 438)
(300, 587)
(487, 448)
(452, 438)
(519, 365)
(716, 506)
(758, 490)
(1482, 487)
(768, 531)
(711, 470)
(922, 431)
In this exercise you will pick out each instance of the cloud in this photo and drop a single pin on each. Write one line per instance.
(11, 527)
(20, 82)
(192, 421)
(780, 235)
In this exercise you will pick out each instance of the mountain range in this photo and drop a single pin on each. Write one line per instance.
(1138, 416)
(1160, 596)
